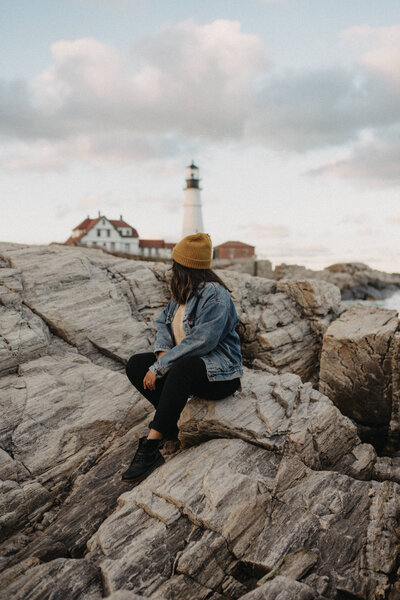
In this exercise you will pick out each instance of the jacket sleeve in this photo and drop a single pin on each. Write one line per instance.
(164, 339)
(203, 337)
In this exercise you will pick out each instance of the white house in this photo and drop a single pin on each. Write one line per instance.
(106, 233)
(118, 236)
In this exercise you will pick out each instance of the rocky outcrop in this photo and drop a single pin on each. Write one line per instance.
(355, 280)
(59, 414)
(273, 491)
(225, 517)
(284, 415)
(105, 306)
(359, 369)
(282, 323)
(82, 298)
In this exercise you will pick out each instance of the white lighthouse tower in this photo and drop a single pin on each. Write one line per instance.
(192, 217)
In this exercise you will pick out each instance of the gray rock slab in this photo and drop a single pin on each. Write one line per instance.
(281, 413)
(248, 506)
(59, 579)
(57, 417)
(357, 363)
(354, 279)
(282, 323)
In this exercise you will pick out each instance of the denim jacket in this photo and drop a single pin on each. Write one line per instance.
(209, 325)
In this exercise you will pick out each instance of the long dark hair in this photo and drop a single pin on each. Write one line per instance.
(186, 281)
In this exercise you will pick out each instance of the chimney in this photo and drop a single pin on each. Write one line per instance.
(99, 213)
(120, 217)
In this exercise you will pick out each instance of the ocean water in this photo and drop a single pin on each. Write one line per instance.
(392, 301)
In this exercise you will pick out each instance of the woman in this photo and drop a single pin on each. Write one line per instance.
(197, 349)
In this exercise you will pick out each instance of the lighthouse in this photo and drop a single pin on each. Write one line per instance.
(192, 217)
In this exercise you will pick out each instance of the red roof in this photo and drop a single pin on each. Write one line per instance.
(84, 227)
(234, 245)
(124, 224)
(88, 223)
(170, 244)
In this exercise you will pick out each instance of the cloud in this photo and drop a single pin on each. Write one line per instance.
(183, 82)
(380, 49)
(187, 85)
(375, 154)
(90, 202)
(373, 161)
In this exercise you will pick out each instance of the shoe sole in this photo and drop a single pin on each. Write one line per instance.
(160, 461)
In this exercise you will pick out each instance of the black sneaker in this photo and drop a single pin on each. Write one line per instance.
(147, 458)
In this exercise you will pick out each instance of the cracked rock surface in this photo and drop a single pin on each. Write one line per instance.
(225, 515)
(281, 324)
(355, 280)
(282, 414)
(359, 368)
(272, 494)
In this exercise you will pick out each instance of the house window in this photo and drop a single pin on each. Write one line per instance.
(127, 247)
(99, 233)
(232, 252)
(108, 232)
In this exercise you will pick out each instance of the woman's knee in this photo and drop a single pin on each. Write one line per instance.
(138, 364)
(130, 365)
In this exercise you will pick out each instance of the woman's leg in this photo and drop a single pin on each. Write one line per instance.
(186, 377)
(136, 368)
(217, 390)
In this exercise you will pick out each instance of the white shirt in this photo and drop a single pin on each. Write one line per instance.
(177, 328)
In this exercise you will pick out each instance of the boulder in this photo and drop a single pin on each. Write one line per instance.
(220, 517)
(59, 414)
(355, 280)
(81, 300)
(105, 306)
(282, 414)
(272, 489)
(282, 587)
(359, 366)
(281, 323)
(60, 578)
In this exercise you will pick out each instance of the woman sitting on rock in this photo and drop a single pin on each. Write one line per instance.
(196, 352)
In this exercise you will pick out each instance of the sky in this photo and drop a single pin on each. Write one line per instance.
(290, 109)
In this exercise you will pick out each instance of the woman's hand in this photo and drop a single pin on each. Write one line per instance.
(149, 381)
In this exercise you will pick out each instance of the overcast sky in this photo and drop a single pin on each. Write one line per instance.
(290, 108)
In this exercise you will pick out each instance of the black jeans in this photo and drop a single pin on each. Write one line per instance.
(186, 377)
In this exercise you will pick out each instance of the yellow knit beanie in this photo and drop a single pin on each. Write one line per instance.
(194, 251)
